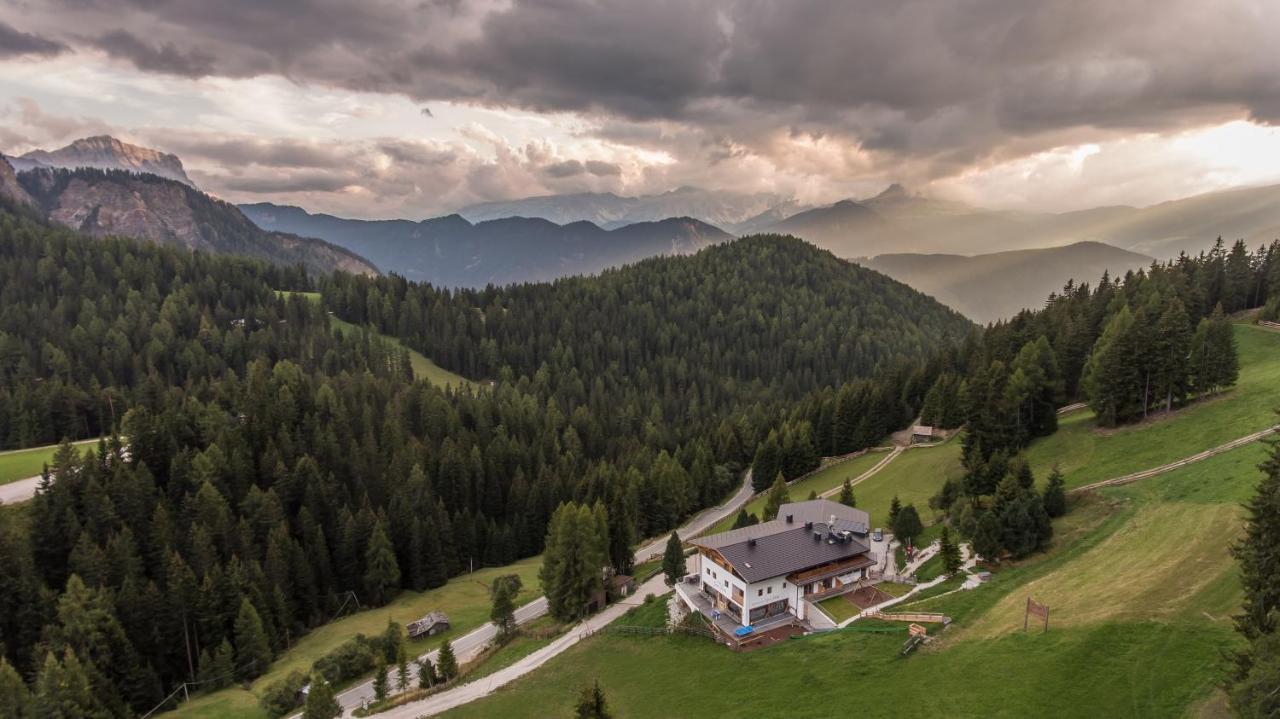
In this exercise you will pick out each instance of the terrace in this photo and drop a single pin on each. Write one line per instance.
(725, 622)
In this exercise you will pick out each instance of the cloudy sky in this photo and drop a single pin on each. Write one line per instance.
(409, 108)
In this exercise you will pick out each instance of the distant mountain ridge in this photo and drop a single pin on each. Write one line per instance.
(451, 251)
(721, 208)
(148, 207)
(104, 152)
(986, 288)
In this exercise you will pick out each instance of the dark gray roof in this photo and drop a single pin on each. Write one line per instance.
(813, 510)
(788, 551)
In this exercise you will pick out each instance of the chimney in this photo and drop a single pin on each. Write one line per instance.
(808, 525)
(817, 536)
(788, 519)
(751, 542)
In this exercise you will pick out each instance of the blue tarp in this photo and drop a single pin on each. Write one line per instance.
(744, 631)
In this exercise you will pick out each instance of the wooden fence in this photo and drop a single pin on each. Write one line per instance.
(1126, 479)
(927, 617)
(657, 631)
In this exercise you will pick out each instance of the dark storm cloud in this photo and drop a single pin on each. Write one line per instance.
(275, 152)
(15, 43)
(568, 168)
(165, 58)
(941, 82)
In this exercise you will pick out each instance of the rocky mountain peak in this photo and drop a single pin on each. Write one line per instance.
(105, 152)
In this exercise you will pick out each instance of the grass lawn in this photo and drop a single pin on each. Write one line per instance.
(19, 464)
(820, 481)
(915, 476)
(423, 368)
(465, 599)
(1086, 454)
(896, 589)
(533, 637)
(931, 569)
(839, 608)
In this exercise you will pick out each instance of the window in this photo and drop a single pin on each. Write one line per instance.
(771, 590)
(759, 592)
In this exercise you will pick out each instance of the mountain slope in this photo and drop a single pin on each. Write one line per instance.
(10, 189)
(997, 286)
(847, 228)
(716, 207)
(104, 152)
(450, 251)
(114, 202)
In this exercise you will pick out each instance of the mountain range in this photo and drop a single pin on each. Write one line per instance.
(452, 251)
(728, 210)
(990, 287)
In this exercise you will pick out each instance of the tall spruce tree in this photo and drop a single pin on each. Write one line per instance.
(382, 573)
(846, 494)
(320, 703)
(446, 662)
(1258, 552)
(778, 496)
(673, 560)
(253, 649)
(949, 551)
(591, 703)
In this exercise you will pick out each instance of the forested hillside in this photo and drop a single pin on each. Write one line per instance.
(272, 464)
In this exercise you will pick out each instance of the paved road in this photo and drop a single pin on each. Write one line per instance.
(470, 644)
(19, 491)
(465, 647)
(472, 691)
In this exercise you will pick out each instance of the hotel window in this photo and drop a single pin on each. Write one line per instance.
(759, 592)
(771, 590)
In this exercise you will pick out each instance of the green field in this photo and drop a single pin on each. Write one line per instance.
(423, 368)
(1086, 454)
(465, 599)
(23, 463)
(1141, 589)
(820, 481)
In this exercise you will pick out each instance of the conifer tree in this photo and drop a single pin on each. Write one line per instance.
(1055, 495)
(591, 704)
(1172, 343)
(778, 496)
(380, 679)
(895, 506)
(1258, 553)
(986, 536)
(446, 662)
(14, 695)
(253, 650)
(402, 669)
(950, 552)
(767, 463)
(382, 574)
(503, 592)
(907, 525)
(846, 494)
(673, 560)
(426, 673)
(62, 690)
(320, 704)
(744, 520)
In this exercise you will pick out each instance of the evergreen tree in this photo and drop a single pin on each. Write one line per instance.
(402, 670)
(320, 704)
(846, 494)
(1055, 495)
(446, 662)
(1172, 343)
(895, 507)
(573, 560)
(62, 691)
(907, 525)
(986, 536)
(950, 552)
(426, 673)
(382, 573)
(14, 695)
(673, 560)
(253, 650)
(744, 520)
(591, 703)
(1258, 553)
(503, 592)
(380, 679)
(622, 535)
(1111, 377)
(1214, 363)
(778, 496)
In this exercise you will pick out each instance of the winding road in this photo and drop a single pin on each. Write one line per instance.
(472, 643)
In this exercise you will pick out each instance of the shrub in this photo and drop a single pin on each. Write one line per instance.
(283, 696)
(353, 658)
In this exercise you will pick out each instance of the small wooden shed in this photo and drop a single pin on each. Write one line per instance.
(922, 433)
(430, 625)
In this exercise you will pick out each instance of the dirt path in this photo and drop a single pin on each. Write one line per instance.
(1162, 469)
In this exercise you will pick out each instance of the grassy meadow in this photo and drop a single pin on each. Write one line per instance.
(23, 463)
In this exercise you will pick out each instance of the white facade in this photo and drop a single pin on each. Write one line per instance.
(752, 596)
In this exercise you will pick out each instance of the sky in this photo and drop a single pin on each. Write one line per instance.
(413, 108)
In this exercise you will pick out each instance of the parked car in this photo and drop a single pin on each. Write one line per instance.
(878, 535)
